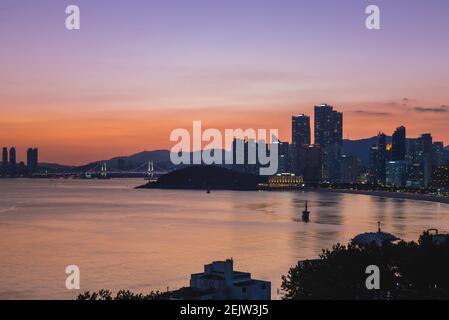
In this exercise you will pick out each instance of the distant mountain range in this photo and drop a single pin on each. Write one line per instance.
(139, 162)
(136, 162)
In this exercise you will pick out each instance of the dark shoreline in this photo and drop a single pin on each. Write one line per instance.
(155, 186)
(381, 194)
(392, 195)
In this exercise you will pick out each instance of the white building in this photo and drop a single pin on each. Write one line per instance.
(219, 281)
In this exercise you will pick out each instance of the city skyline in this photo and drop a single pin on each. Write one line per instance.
(132, 74)
(300, 135)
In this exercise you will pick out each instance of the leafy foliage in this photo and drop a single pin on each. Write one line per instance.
(106, 295)
(408, 270)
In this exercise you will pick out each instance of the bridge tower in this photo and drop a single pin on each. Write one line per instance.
(150, 170)
(104, 170)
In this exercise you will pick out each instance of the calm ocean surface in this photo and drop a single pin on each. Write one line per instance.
(142, 240)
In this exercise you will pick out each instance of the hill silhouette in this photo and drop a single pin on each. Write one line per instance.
(207, 177)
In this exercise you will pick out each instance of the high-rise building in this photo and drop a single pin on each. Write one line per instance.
(427, 156)
(372, 177)
(381, 159)
(4, 166)
(414, 150)
(349, 169)
(12, 161)
(32, 160)
(301, 130)
(415, 175)
(245, 155)
(328, 125)
(378, 159)
(427, 143)
(438, 153)
(398, 149)
(329, 135)
(5, 156)
(440, 177)
(396, 173)
(300, 137)
(311, 164)
(283, 157)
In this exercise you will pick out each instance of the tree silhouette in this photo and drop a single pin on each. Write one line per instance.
(408, 270)
(106, 295)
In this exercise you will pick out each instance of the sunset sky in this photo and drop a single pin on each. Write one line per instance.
(139, 69)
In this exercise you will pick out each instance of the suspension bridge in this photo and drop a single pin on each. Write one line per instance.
(101, 170)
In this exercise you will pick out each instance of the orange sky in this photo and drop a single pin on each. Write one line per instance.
(106, 91)
(77, 138)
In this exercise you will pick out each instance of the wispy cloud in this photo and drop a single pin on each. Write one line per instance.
(439, 109)
(372, 113)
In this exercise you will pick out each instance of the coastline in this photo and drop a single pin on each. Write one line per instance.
(393, 195)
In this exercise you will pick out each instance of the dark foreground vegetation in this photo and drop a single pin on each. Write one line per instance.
(408, 270)
(122, 295)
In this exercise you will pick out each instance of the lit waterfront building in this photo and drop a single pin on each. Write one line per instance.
(285, 181)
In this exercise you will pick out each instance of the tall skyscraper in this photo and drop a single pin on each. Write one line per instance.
(311, 165)
(372, 177)
(415, 175)
(349, 169)
(329, 135)
(32, 160)
(396, 173)
(438, 153)
(427, 143)
(440, 176)
(381, 165)
(398, 149)
(301, 130)
(427, 157)
(378, 161)
(245, 155)
(300, 137)
(12, 161)
(4, 166)
(419, 154)
(283, 157)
